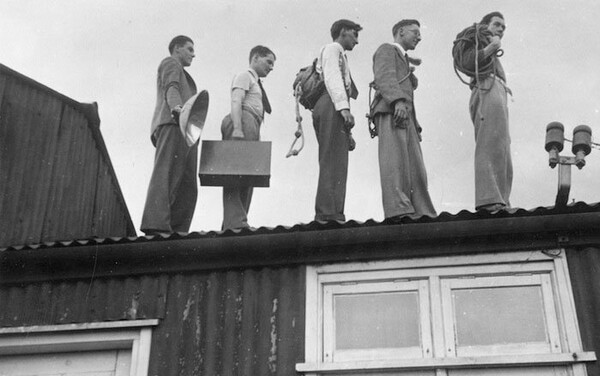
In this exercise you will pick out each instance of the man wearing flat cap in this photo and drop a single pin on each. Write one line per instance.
(333, 120)
(401, 167)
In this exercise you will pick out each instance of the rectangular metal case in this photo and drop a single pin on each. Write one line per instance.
(235, 163)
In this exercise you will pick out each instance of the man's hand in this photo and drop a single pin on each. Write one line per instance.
(175, 112)
(495, 42)
(348, 118)
(494, 46)
(401, 114)
(237, 134)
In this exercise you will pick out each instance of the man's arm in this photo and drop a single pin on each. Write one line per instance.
(334, 82)
(237, 95)
(170, 73)
(386, 77)
(397, 94)
(483, 56)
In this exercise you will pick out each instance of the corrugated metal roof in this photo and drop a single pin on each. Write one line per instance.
(56, 178)
(463, 215)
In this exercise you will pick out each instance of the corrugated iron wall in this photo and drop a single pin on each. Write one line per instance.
(236, 322)
(248, 322)
(56, 179)
(584, 268)
(55, 303)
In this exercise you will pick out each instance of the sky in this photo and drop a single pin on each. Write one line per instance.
(108, 51)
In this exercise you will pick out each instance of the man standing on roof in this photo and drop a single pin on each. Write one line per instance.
(403, 176)
(333, 120)
(489, 113)
(173, 190)
(248, 104)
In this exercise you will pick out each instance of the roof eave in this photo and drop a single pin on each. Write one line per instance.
(365, 243)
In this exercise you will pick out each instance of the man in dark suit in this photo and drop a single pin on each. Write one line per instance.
(403, 176)
(173, 190)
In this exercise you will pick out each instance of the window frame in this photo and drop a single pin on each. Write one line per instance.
(548, 305)
(135, 335)
(329, 334)
(435, 270)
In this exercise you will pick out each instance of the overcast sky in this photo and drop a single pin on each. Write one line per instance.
(108, 51)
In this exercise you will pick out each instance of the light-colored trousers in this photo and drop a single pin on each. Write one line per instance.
(236, 200)
(493, 164)
(402, 170)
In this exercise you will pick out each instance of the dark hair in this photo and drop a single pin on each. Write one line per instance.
(403, 23)
(338, 25)
(179, 40)
(488, 17)
(260, 51)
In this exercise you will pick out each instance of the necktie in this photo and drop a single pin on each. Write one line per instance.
(265, 100)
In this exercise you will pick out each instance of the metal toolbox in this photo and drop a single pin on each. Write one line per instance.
(235, 163)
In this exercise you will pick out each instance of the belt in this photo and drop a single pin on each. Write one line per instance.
(502, 82)
(252, 111)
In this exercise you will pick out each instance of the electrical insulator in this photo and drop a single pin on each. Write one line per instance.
(582, 144)
(555, 140)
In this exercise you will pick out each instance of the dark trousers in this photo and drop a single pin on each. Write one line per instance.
(236, 200)
(173, 190)
(333, 160)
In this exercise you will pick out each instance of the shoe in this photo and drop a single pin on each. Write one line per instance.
(492, 208)
(400, 217)
(152, 232)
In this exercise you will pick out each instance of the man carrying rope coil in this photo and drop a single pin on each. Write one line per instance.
(476, 53)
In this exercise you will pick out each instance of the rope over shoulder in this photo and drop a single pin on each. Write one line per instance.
(476, 36)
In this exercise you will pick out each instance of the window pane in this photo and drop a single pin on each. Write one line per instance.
(391, 373)
(383, 320)
(500, 315)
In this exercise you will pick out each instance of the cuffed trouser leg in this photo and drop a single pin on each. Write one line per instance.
(173, 191)
(333, 161)
(493, 163)
(402, 170)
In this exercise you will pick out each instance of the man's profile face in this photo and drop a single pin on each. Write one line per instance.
(497, 26)
(184, 54)
(263, 65)
(349, 39)
(410, 36)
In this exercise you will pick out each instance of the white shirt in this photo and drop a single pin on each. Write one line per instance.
(333, 65)
(248, 81)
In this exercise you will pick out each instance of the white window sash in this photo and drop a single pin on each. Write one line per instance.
(135, 335)
(549, 273)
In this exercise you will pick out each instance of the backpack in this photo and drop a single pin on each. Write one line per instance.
(308, 86)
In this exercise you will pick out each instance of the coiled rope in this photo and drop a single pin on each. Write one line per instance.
(477, 35)
(299, 134)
